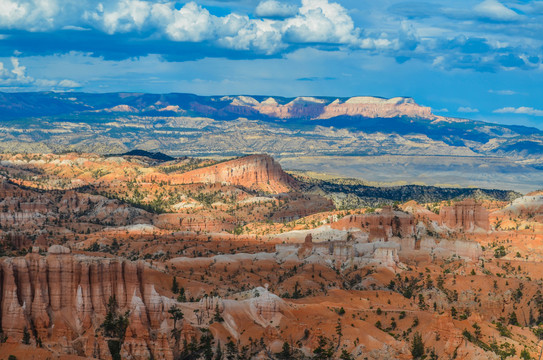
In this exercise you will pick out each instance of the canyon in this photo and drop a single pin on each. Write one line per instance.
(142, 256)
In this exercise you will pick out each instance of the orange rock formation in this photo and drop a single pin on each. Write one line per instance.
(62, 299)
(258, 172)
(466, 215)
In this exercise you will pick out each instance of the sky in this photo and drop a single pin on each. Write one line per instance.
(481, 60)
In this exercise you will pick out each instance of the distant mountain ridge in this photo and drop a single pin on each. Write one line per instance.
(17, 105)
(286, 128)
(260, 107)
(399, 115)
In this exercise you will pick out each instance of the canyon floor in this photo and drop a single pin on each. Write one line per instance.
(143, 256)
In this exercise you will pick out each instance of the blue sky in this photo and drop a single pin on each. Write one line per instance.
(474, 59)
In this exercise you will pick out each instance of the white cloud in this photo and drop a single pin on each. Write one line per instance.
(31, 15)
(15, 77)
(467, 109)
(12, 12)
(74, 28)
(494, 10)
(373, 44)
(520, 110)
(279, 24)
(319, 21)
(275, 9)
(262, 35)
(191, 23)
(502, 92)
(316, 21)
(129, 15)
(17, 69)
(66, 83)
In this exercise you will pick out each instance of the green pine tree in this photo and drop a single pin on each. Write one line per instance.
(175, 285)
(417, 346)
(285, 353)
(218, 351)
(345, 355)
(26, 336)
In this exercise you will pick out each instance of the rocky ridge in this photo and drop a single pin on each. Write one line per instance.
(257, 172)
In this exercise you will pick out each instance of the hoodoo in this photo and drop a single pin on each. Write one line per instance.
(466, 215)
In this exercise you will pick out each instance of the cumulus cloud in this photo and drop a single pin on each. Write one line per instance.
(280, 24)
(520, 110)
(32, 15)
(262, 35)
(190, 23)
(14, 76)
(129, 15)
(275, 9)
(467, 109)
(483, 38)
(319, 21)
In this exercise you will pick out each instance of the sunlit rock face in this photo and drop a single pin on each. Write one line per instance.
(257, 172)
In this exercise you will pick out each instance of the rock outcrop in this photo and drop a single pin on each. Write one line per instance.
(206, 222)
(376, 107)
(209, 307)
(267, 307)
(466, 215)
(301, 107)
(257, 172)
(61, 300)
(445, 247)
(381, 226)
(528, 207)
(318, 108)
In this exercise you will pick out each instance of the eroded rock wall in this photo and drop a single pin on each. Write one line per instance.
(61, 299)
(466, 215)
(381, 226)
